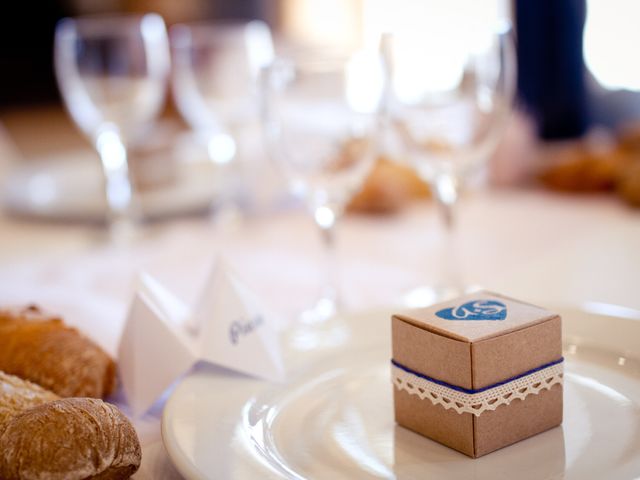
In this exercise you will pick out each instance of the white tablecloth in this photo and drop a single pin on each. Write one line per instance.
(545, 248)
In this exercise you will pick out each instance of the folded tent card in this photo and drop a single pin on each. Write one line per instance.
(163, 338)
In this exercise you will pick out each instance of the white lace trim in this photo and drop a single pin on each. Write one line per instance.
(477, 403)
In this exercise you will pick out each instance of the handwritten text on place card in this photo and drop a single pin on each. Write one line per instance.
(243, 327)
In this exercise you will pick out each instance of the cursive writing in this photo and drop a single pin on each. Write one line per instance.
(243, 327)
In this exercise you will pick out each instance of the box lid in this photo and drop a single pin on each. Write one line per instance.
(477, 316)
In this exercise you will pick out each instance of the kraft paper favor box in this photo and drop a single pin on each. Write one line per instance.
(477, 373)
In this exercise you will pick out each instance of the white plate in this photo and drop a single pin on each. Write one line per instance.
(71, 187)
(335, 420)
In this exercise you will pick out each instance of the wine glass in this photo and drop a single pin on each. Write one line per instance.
(449, 96)
(216, 67)
(320, 119)
(112, 72)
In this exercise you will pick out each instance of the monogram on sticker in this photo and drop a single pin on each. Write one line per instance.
(475, 310)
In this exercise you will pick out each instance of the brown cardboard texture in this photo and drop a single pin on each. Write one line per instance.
(454, 343)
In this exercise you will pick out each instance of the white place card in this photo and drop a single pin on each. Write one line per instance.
(163, 338)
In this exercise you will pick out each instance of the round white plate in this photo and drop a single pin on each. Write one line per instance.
(71, 187)
(335, 419)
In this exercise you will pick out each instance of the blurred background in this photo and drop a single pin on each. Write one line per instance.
(577, 100)
(580, 29)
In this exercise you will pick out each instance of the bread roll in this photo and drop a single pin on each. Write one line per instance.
(17, 395)
(388, 187)
(629, 184)
(69, 439)
(41, 348)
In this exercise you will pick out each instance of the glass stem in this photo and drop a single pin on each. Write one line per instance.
(446, 193)
(325, 218)
(118, 188)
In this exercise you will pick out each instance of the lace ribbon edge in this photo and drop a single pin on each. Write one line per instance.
(477, 403)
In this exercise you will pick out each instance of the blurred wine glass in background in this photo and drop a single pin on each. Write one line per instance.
(112, 72)
(320, 120)
(215, 84)
(448, 101)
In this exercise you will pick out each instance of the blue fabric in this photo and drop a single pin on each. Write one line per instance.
(551, 71)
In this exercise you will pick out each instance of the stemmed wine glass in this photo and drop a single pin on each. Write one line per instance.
(448, 102)
(320, 120)
(216, 69)
(112, 72)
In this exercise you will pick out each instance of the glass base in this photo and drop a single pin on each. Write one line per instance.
(319, 328)
(123, 231)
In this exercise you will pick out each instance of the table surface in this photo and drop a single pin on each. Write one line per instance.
(543, 247)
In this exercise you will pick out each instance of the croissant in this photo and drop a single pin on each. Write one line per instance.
(43, 437)
(39, 347)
